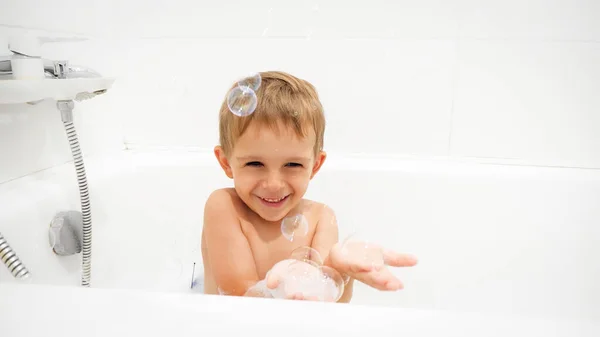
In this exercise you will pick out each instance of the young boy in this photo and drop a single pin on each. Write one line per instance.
(271, 155)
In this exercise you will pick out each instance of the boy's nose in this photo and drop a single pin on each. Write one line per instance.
(273, 182)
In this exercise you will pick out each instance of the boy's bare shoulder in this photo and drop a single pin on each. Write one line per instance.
(224, 202)
(319, 209)
(223, 197)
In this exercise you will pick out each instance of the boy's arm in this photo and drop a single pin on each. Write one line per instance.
(227, 249)
(326, 236)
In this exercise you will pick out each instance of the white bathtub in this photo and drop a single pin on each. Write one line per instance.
(492, 239)
(70, 311)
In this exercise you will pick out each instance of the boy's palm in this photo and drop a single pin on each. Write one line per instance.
(276, 275)
(379, 277)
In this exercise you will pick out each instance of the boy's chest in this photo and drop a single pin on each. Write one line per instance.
(269, 245)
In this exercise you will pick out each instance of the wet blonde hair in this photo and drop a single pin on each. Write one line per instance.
(282, 99)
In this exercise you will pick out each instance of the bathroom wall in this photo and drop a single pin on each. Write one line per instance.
(495, 80)
(484, 81)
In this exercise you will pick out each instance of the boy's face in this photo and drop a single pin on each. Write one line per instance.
(271, 170)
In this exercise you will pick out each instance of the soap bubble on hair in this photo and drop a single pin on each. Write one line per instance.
(253, 82)
(242, 100)
(294, 226)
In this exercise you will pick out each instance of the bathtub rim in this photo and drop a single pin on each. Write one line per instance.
(132, 303)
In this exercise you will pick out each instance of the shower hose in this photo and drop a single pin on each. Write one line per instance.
(66, 111)
(11, 260)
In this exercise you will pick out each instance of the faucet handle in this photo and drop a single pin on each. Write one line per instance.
(61, 68)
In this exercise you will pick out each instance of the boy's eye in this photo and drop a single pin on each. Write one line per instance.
(293, 165)
(254, 163)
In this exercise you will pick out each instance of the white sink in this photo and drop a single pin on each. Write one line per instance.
(23, 91)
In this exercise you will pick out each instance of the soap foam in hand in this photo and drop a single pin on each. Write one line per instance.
(305, 276)
(299, 278)
(259, 290)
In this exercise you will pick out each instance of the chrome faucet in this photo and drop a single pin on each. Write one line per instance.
(27, 48)
(52, 69)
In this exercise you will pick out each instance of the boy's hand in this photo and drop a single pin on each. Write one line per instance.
(376, 276)
(299, 275)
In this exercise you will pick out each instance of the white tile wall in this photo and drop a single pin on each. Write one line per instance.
(236, 18)
(430, 78)
(575, 20)
(535, 102)
(359, 100)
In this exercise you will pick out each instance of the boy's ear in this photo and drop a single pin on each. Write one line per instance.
(223, 161)
(318, 163)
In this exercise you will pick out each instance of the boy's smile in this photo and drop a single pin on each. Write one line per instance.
(271, 168)
(274, 202)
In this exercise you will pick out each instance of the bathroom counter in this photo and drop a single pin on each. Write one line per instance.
(36, 310)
